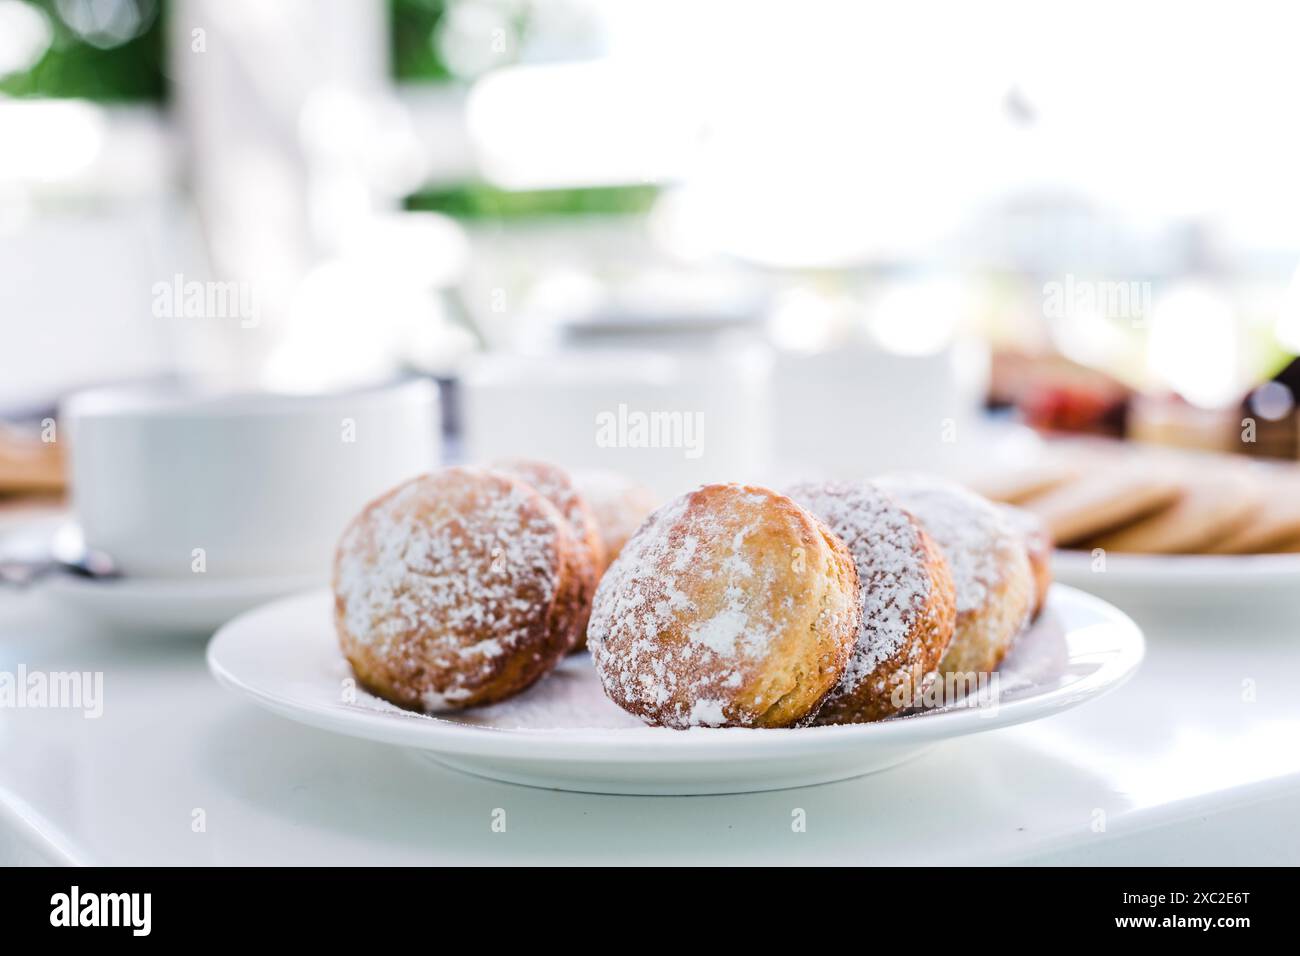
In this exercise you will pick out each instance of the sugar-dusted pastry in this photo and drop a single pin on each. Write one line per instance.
(1102, 500)
(450, 590)
(731, 606)
(989, 564)
(557, 487)
(906, 594)
(1212, 506)
(620, 505)
(1038, 544)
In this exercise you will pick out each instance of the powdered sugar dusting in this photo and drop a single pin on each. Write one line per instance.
(722, 632)
(443, 579)
(707, 713)
(558, 488)
(620, 505)
(571, 698)
(887, 550)
(682, 557)
(966, 527)
(1037, 538)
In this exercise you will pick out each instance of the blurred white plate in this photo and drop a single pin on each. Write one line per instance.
(165, 606)
(1185, 585)
(564, 734)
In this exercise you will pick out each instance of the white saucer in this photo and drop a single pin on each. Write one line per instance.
(564, 734)
(1184, 587)
(156, 606)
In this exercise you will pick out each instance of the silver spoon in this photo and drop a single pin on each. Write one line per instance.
(63, 553)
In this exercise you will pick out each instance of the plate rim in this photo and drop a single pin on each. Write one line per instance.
(1265, 570)
(636, 744)
(133, 588)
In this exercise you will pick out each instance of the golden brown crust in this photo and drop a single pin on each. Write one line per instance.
(731, 606)
(619, 504)
(906, 600)
(1015, 486)
(902, 681)
(557, 487)
(1264, 532)
(1211, 507)
(989, 562)
(449, 590)
(1101, 501)
(1143, 498)
(1038, 545)
(983, 636)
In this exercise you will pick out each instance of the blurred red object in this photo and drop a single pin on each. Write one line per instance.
(1057, 395)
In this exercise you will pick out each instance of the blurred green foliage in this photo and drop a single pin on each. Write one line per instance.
(134, 70)
(105, 68)
(413, 33)
(412, 24)
(482, 202)
(73, 66)
(416, 57)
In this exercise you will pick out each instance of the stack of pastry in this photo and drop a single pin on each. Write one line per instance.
(1127, 498)
(837, 603)
(465, 586)
(733, 605)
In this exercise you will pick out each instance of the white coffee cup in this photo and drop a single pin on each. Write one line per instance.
(672, 421)
(859, 410)
(171, 482)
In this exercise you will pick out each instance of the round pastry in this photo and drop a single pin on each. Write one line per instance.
(449, 590)
(989, 564)
(1021, 484)
(558, 488)
(1273, 524)
(1098, 501)
(620, 505)
(1212, 506)
(731, 606)
(906, 597)
(1038, 544)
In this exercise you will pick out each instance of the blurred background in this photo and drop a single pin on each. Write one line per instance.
(845, 235)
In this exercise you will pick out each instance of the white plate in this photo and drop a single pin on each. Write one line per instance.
(563, 733)
(165, 606)
(1188, 586)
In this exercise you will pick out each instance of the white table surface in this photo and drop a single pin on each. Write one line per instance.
(1178, 766)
